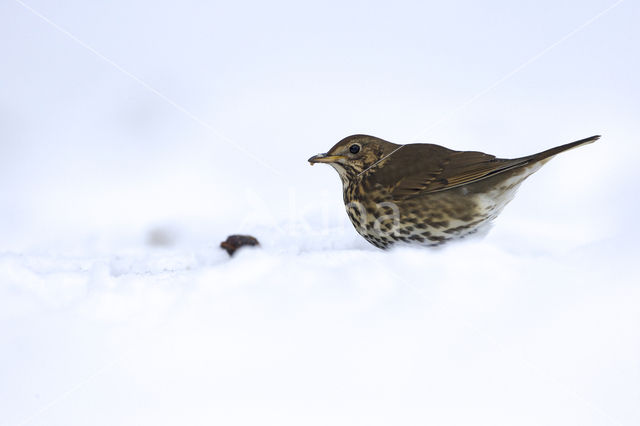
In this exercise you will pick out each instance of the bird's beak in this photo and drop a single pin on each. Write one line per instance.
(324, 158)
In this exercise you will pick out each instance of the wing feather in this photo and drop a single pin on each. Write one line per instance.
(419, 169)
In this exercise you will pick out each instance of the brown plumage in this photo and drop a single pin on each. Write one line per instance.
(425, 193)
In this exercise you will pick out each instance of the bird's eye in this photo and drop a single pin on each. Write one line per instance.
(354, 149)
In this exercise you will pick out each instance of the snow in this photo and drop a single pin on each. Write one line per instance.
(469, 334)
(117, 305)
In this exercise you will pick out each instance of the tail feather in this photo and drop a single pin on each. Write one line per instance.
(558, 149)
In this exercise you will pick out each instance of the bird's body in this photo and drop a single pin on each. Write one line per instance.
(425, 193)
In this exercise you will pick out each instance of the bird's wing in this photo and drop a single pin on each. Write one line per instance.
(426, 168)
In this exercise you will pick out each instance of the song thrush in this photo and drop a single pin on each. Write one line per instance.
(425, 193)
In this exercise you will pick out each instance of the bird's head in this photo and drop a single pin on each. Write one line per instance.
(355, 154)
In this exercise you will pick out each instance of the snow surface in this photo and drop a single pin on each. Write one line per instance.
(122, 168)
(469, 334)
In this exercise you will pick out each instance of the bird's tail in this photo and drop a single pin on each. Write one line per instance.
(558, 149)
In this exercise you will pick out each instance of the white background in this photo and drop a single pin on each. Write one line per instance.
(124, 123)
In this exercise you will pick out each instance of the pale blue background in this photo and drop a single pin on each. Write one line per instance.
(84, 147)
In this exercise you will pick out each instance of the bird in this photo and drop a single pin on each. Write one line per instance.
(422, 193)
